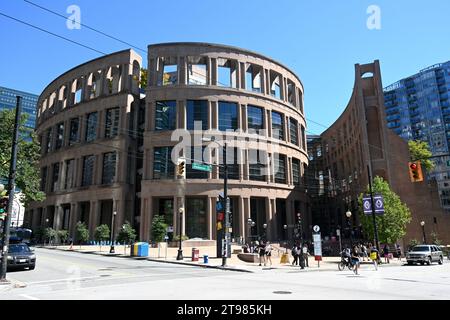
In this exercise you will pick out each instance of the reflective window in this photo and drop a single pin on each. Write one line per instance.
(74, 129)
(59, 135)
(296, 171)
(279, 161)
(48, 146)
(197, 110)
(257, 164)
(166, 115)
(55, 177)
(293, 130)
(112, 122)
(233, 161)
(163, 167)
(277, 125)
(255, 118)
(109, 167)
(227, 116)
(91, 126)
(70, 174)
(43, 178)
(88, 170)
(196, 223)
(196, 157)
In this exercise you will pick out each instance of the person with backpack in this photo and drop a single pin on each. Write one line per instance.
(268, 251)
(295, 253)
(261, 248)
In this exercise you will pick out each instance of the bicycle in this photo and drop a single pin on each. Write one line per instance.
(345, 262)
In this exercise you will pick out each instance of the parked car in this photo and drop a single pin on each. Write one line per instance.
(20, 256)
(425, 253)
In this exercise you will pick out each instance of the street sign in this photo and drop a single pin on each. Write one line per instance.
(201, 167)
(317, 247)
(316, 228)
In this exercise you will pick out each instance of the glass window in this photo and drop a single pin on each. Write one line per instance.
(74, 128)
(303, 137)
(55, 177)
(43, 178)
(163, 167)
(296, 171)
(112, 122)
(91, 126)
(166, 115)
(227, 116)
(70, 174)
(257, 164)
(280, 168)
(232, 163)
(197, 110)
(109, 167)
(253, 78)
(88, 170)
(196, 156)
(277, 125)
(255, 118)
(59, 135)
(293, 130)
(197, 70)
(48, 146)
(196, 223)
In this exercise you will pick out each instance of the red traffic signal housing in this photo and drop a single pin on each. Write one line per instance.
(415, 171)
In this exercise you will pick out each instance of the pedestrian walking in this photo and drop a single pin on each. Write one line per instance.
(399, 252)
(268, 251)
(386, 253)
(305, 254)
(295, 253)
(262, 253)
(355, 259)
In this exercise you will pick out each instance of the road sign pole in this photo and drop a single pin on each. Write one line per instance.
(375, 230)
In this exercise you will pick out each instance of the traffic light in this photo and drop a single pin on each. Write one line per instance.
(415, 171)
(181, 169)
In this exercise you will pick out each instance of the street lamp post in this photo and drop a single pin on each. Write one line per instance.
(264, 237)
(349, 215)
(46, 226)
(285, 237)
(249, 224)
(422, 223)
(112, 232)
(180, 250)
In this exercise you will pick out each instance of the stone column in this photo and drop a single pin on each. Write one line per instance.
(210, 207)
(144, 234)
(214, 71)
(57, 221)
(270, 224)
(74, 207)
(242, 219)
(181, 114)
(183, 70)
(94, 210)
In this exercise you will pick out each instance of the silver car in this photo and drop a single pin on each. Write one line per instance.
(425, 253)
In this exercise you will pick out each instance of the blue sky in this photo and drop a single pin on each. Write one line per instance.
(319, 40)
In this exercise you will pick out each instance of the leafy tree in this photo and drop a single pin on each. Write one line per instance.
(392, 224)
(144, 78)
(49, 234)
(63, 235)
(82, 232)
(126, 234)
(28, 176)
(158, 228)
(413, 243)
(420, 150)
(183, 237)
(435, 239)
(101, 234)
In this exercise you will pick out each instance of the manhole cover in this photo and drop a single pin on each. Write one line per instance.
(282, 292)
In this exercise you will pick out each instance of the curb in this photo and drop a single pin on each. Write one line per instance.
(118, 255)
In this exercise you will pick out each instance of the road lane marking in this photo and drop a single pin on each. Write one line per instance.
(29, 297)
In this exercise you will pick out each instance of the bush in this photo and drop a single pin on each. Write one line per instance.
(158, 228)
(49, 234)
(434, 238)
(126, 234)
(82, 232)
(413, 243)
(183, 238)
(63, 235)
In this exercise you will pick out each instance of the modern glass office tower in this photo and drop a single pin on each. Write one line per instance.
(29, 102)
(418, 108)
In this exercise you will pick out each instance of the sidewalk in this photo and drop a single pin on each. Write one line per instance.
(233, 263)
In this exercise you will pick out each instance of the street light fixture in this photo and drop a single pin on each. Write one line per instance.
(349, 215)
(180, 250)
(285, 236)
(422, 223)
(112, 232)
(249, 224)
(264, 237)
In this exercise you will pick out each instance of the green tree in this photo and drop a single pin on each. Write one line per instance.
(28, 176)
(392, 224)
(420, 150)
(101, 234)
(413, 243)
(63, 235)
(126, 234)
(144, 78)
(435, 239)
(49, 235)
(82, 232)
(159, 227)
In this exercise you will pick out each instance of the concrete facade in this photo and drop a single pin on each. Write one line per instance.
(222, 74)
(358, 139)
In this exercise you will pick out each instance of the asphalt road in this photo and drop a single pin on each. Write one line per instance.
(72, 275)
